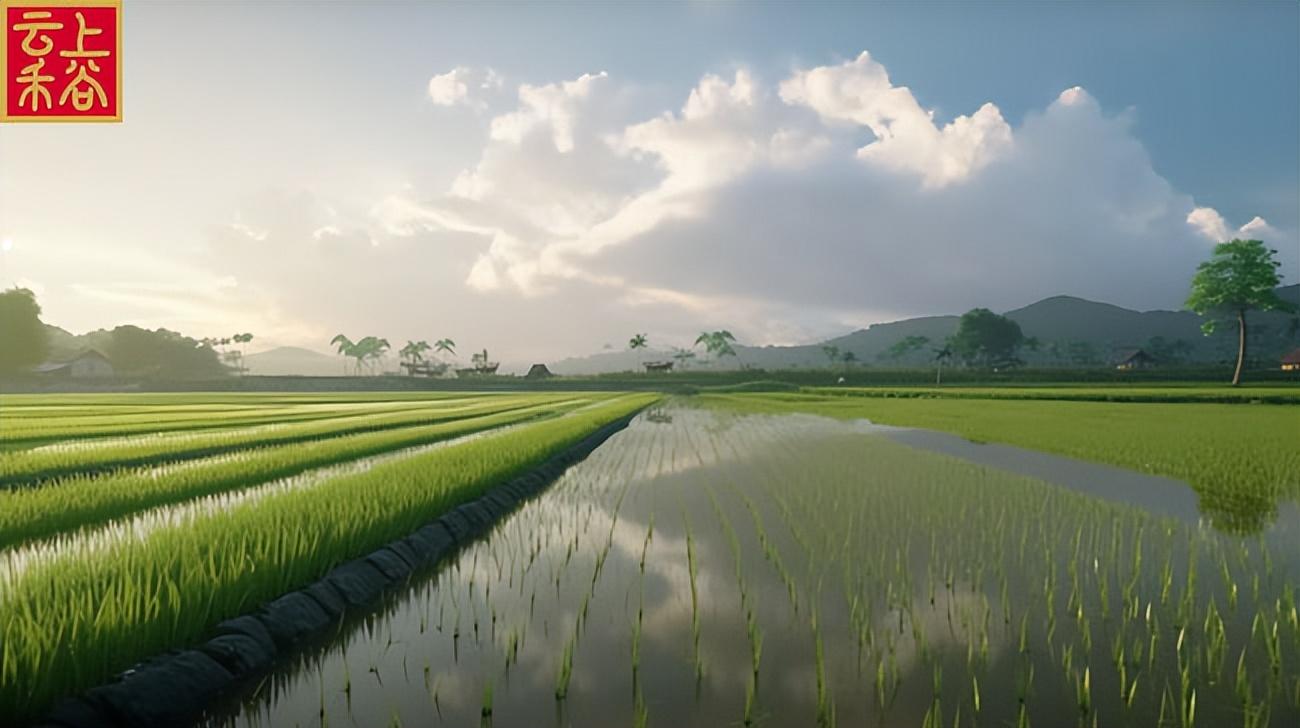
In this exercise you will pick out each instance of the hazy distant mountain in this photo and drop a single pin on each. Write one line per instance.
(1070, 318)
(287, 360)
(1065, 327)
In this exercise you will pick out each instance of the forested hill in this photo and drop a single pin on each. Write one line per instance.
(1070, 331)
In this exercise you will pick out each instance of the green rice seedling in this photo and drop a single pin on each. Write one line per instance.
(693, 569)
(751, 698)
(825, 707)
(1187, 713)
(290, 538)
(933, 715)
(566, 670)
(755, 644)
(486, 710)
(645, 545)
(640, 712)
(437, 701)
(636, 645)
(1084, 692)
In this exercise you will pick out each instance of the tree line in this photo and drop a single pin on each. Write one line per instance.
(135, 352)
(1240, 276)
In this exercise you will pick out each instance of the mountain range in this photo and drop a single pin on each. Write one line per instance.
(1068, 330)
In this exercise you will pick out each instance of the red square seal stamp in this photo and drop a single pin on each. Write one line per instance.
(62, 60)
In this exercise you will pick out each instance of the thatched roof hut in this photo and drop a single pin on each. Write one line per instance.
(1134, 359)
(538, 371)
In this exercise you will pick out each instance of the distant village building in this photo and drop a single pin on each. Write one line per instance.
(1291, 362)
(659, 366)
(425, 368)
(87, 364)
(538, 371)
(1134, 359)
(482, 367)
(485, 370)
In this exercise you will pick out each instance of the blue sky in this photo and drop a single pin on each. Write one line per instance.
(1212, 84)
(488, 170)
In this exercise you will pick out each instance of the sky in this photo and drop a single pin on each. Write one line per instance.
(545, 179)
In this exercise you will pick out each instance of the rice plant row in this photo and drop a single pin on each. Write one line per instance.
(81, 501)
(21, 427)
(73, 624)
(98, 455)
(91, 540)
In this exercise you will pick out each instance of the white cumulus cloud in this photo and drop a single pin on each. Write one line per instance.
(1210, 224)
(754, 205)
(462, 86)
(907, 139)
(553, 105)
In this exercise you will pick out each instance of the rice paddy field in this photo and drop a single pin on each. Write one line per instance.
(133, 524)
(741, 559)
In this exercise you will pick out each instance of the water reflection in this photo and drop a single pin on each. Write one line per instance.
(1157, 495)
(703, 568)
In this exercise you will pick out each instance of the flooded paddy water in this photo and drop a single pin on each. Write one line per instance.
(705, 568)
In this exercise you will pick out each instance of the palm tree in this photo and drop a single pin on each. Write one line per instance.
(347, 347)
(638, 341)
(832, 353)
(444, 345)
(413, 353)
(717, 343)
(940, 356)
(237, 356)
(372, 348)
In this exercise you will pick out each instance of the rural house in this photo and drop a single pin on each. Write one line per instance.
(87, 364)
(538, 371)
(1134, 359)
(1291, 361)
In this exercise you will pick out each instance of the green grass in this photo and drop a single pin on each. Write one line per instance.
(70, 623)
(1239, 459)
(66, 506)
